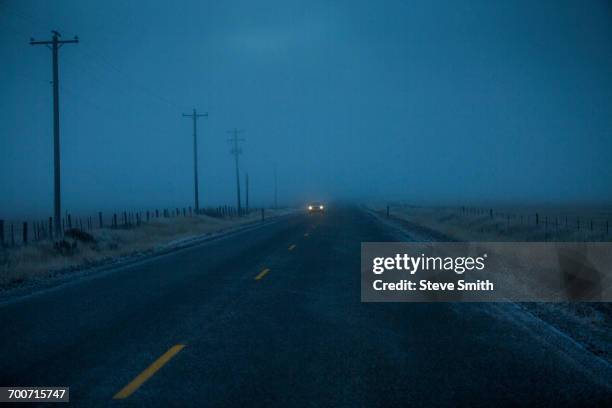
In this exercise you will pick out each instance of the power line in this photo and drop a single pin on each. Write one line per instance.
(55, 44)
(130, 81)
(236, 151)
(93, 56)
(95, 69)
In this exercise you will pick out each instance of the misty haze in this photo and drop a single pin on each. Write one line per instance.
(439, 103)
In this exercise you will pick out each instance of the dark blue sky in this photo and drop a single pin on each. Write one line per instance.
(430, 101)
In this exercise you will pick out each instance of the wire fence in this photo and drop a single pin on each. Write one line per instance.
(13, 234)
(532, 224)
(550, 225)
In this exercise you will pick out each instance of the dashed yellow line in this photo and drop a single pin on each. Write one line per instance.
(148, 372)
(291, 248)
(262, 274)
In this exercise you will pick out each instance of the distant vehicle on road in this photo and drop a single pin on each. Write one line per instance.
(316, 207)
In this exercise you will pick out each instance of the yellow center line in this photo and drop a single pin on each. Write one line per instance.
(148, 372)
(262, 274)
(291, 247)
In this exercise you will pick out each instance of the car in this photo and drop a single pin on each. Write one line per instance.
(316, 207)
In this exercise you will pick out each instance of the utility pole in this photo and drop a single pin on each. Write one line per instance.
(275, 189)
(247, 193)
(55, 43)
(236, 151)
(195, 117)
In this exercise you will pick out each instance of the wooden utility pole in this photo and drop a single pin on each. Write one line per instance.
(55, 43)
(236, 151)
(195, 117)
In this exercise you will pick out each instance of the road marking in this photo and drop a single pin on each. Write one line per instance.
(262, 274)
(306, 234)
(148, 372)
(291, 247)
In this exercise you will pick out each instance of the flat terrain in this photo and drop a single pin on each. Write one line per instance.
(271, 316)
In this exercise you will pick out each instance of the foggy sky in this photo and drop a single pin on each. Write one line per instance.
(429, 101)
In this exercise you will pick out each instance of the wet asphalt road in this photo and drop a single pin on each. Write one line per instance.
(297, 336)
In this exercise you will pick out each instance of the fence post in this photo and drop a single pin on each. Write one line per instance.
(537, 218)
(25, 233)
(1, 232)
(115, 220)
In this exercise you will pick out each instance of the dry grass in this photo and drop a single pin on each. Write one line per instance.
(42, 259)
(517, 225)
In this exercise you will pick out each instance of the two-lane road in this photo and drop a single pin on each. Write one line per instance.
(272, 317)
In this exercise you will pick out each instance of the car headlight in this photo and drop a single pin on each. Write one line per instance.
(320, 207)
(310, 207)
